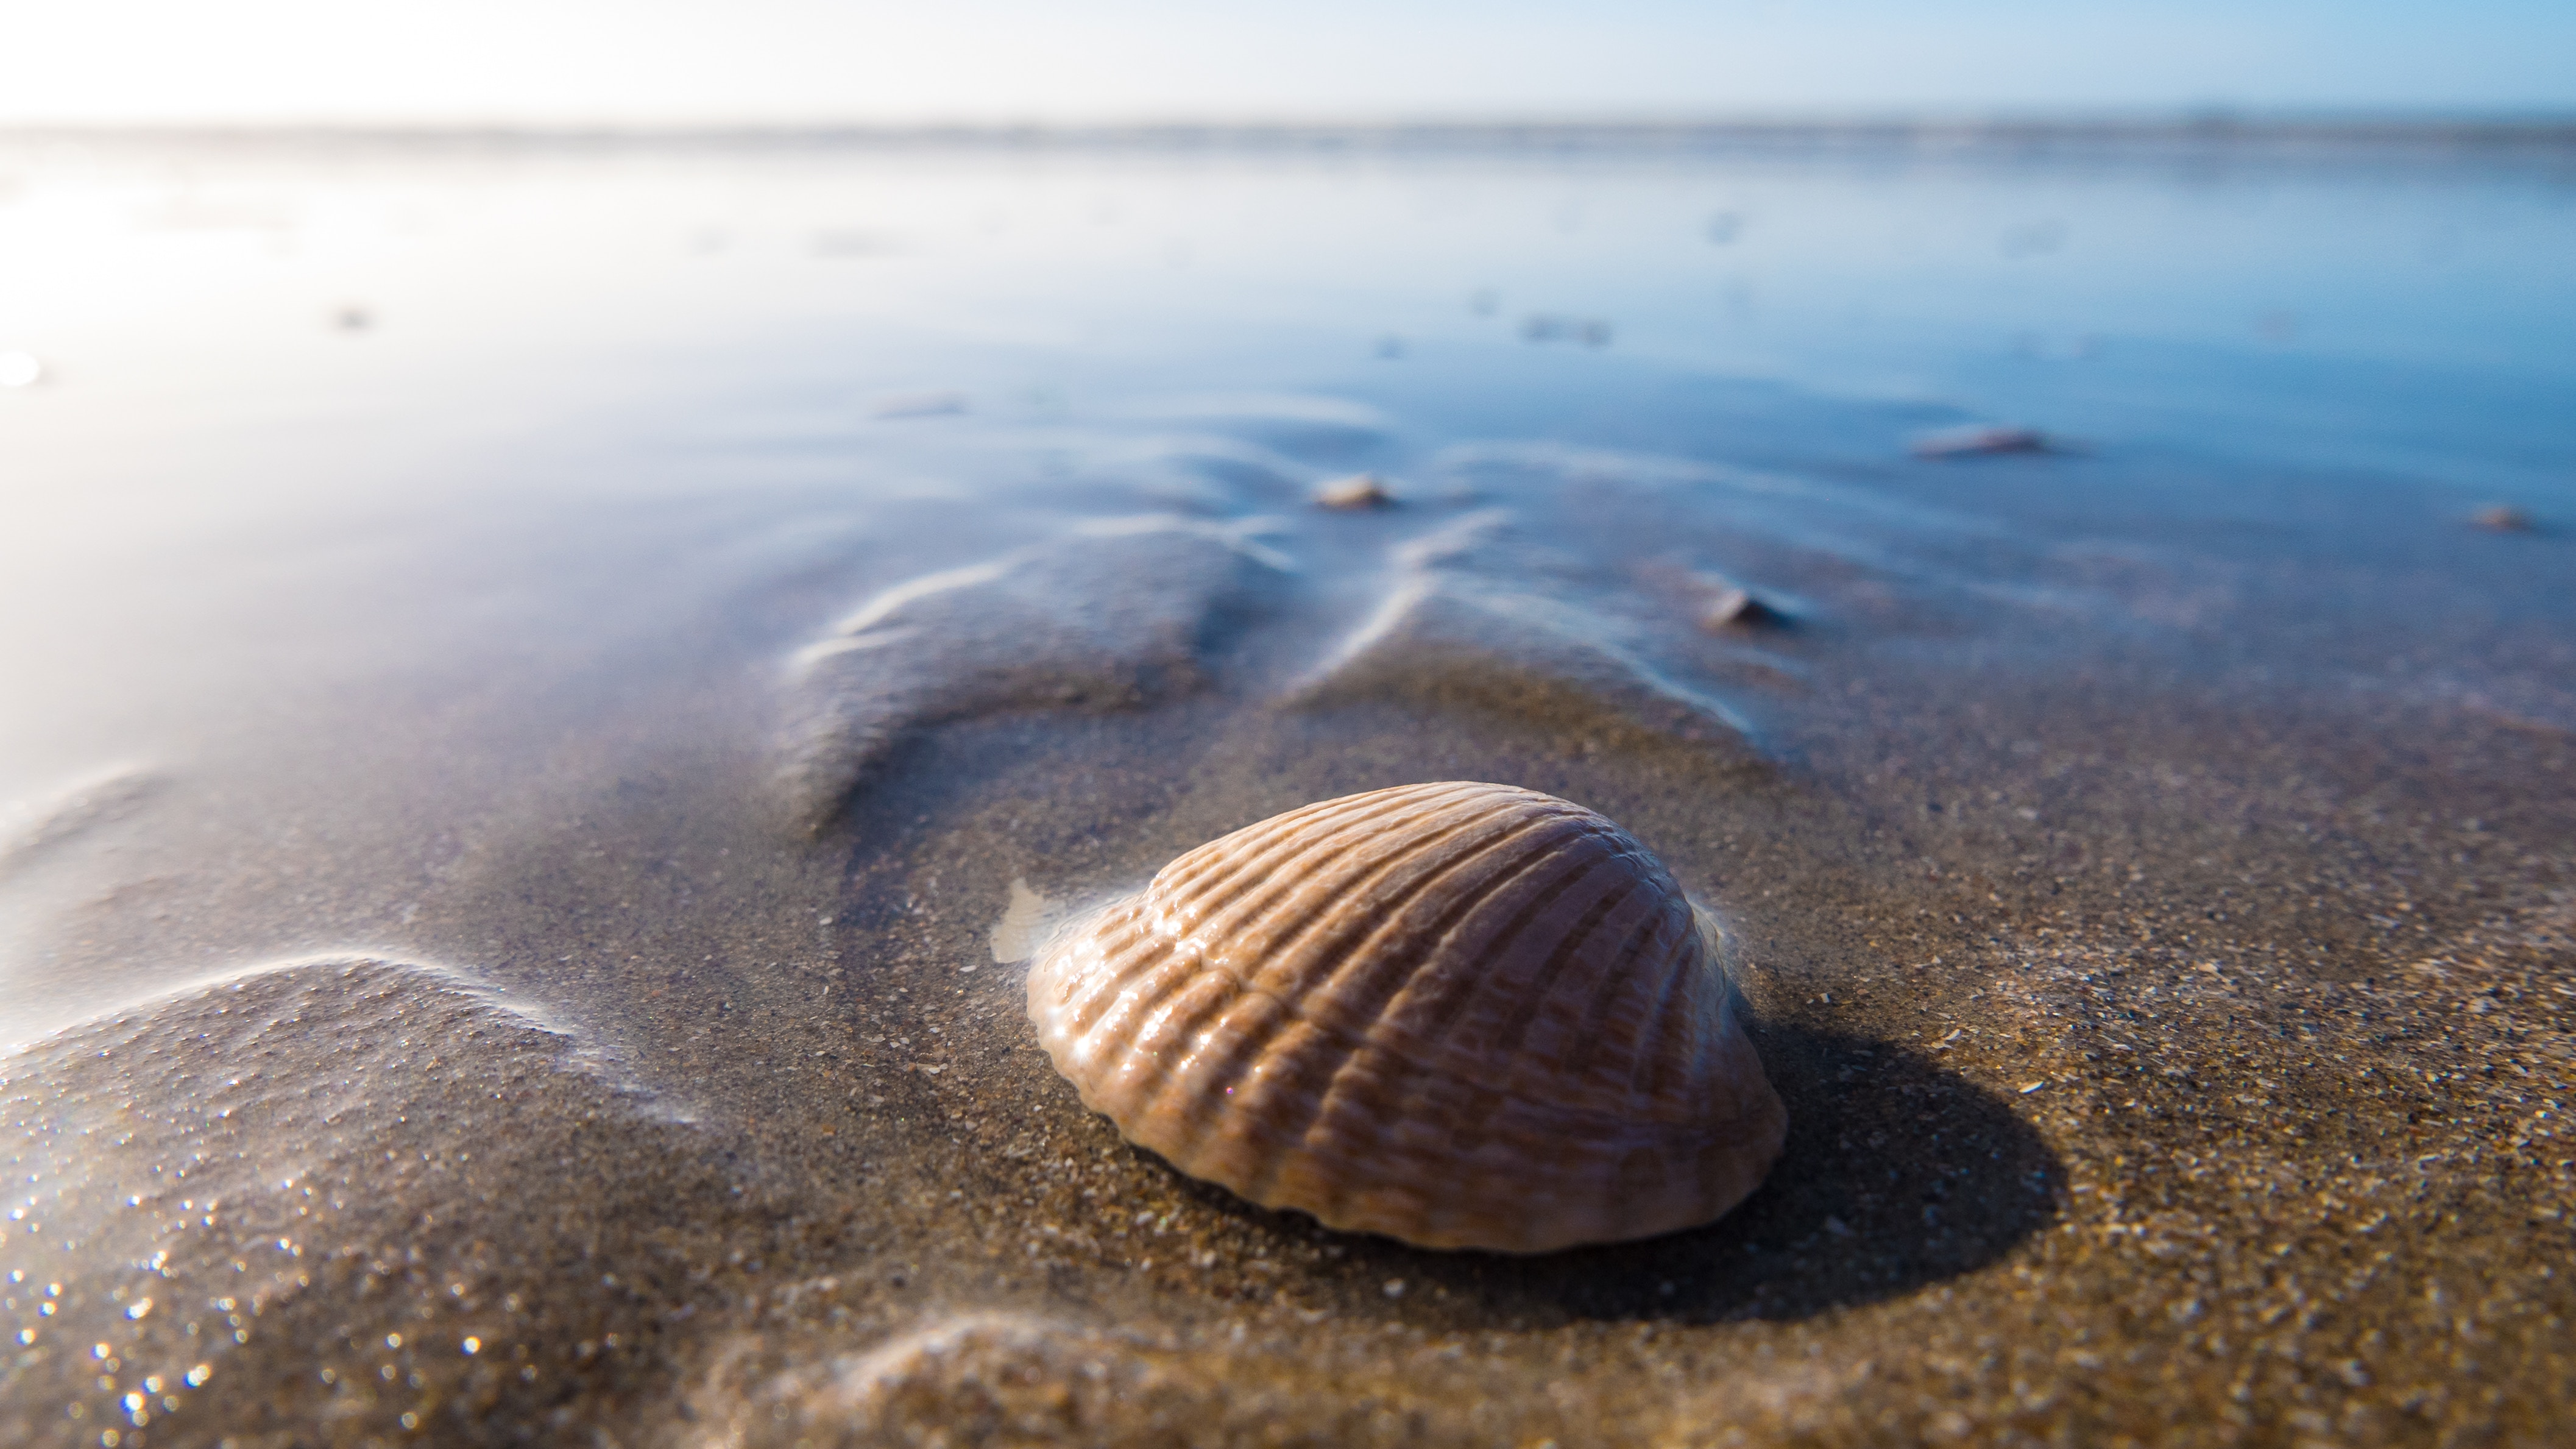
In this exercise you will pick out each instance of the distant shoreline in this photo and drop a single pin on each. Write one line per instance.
(1750, 136)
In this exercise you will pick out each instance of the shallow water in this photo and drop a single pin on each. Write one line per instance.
(548, 686)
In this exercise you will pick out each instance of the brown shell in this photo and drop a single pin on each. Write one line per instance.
(1463, 1015)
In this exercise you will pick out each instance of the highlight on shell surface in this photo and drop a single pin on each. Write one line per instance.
(1462, 1015)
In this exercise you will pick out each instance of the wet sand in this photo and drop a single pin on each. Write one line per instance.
(2156, 913)
(2184, 1145)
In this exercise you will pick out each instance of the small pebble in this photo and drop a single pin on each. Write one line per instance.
(1733, 607)
(1981, 441)
(1394, 1288)
(1356, 492)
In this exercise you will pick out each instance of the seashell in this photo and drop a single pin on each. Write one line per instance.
(1356, 493)
(1463, 1015)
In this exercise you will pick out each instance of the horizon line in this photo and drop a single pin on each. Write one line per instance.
(2311, 136)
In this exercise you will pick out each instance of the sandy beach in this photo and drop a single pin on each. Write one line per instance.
(527, 825)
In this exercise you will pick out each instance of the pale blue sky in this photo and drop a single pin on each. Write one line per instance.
(792, 60)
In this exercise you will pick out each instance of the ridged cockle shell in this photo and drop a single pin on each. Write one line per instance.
(1463, 1015)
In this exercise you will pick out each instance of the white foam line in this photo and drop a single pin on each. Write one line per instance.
(1400, 601)
(453, 977)
(876, 609)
